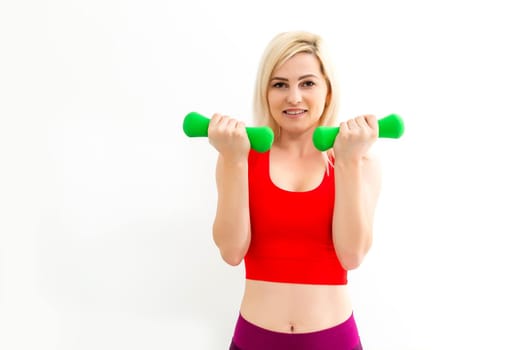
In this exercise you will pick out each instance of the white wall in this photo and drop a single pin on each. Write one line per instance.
(106, 207)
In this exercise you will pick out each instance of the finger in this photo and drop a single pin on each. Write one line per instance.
(240, 128)
(361, 122)
(215, 119)
(343, 127)
(240, 125)
(222, 122)
(371, 120)
(235, 127)
(352, 124)
(231, 123)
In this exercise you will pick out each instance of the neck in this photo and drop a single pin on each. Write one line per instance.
(298, 144)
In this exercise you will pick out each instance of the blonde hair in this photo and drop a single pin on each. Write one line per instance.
(281, 48)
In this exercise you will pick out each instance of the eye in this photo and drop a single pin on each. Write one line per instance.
(279, 85)
(308, 83)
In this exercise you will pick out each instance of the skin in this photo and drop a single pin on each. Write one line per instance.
(297, 96)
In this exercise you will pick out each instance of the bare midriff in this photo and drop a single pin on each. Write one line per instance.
(295, 308)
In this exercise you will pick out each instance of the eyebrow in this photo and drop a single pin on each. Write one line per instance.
(300, 78)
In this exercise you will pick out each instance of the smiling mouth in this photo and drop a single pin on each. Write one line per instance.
(295, 113)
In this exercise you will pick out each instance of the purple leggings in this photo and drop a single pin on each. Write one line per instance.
(248, 336)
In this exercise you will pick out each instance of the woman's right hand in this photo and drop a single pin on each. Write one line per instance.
(229, 137)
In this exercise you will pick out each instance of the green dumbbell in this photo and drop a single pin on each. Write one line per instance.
(196, 125)
(391, 126)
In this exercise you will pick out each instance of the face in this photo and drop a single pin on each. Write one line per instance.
(297, 93)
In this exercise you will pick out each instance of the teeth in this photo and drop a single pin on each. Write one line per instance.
(294, 112)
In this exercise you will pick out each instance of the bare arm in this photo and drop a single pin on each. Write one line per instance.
(357, 187)
(231, 227)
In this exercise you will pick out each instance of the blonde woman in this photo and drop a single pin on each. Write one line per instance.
(298, 218)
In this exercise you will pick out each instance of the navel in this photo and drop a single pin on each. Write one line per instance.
(292, 328)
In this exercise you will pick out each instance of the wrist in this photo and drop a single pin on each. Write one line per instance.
(349, 162)
(233, 160)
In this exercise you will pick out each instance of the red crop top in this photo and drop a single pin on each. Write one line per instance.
(291, 232)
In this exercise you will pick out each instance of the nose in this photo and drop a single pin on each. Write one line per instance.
(294, 96)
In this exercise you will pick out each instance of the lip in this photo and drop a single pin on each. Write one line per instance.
(295, 113)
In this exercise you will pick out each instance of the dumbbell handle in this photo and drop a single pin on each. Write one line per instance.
(391, 126)
(196, 125)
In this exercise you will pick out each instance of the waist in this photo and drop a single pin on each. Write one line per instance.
(295, 308)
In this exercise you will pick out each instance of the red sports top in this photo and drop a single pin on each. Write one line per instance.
(291, 232)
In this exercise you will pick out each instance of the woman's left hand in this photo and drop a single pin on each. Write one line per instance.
(355, 137)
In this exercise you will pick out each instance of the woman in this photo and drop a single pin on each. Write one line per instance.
(298, 218)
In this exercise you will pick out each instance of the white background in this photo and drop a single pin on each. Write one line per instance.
(106, 207)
